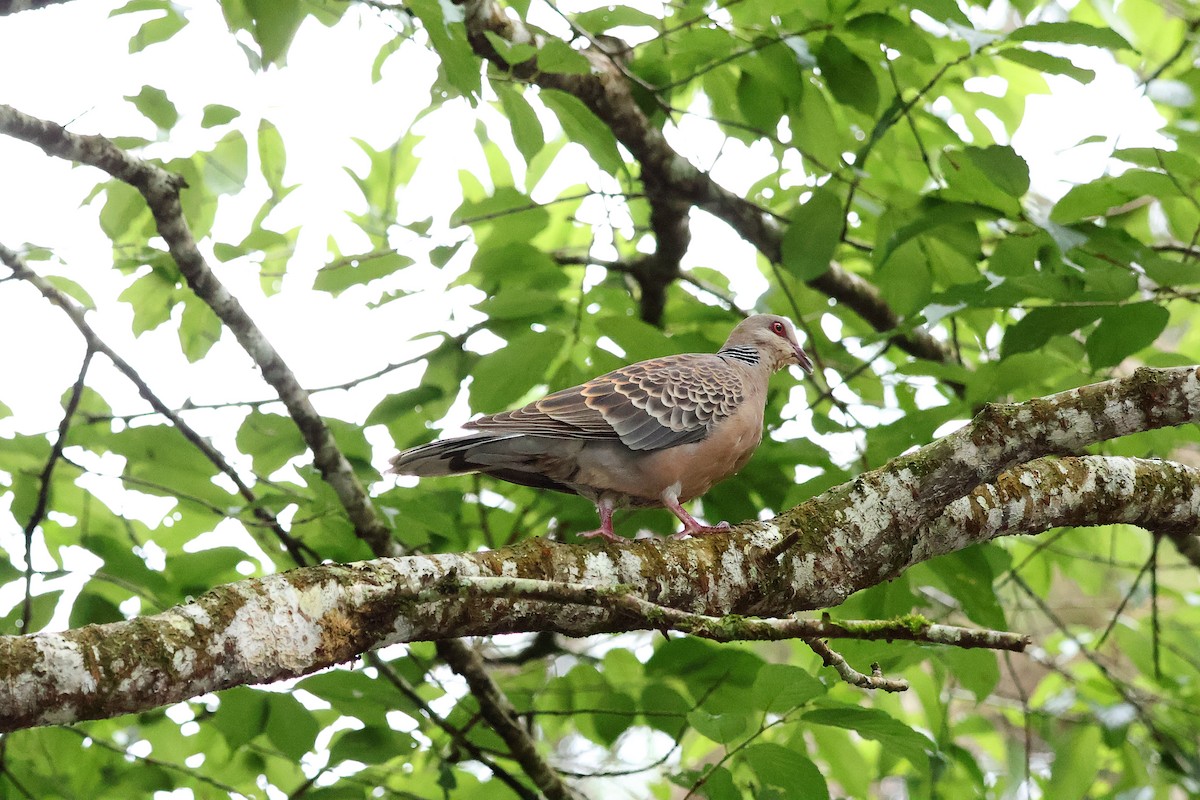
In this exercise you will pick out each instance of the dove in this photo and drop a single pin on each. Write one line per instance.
(657, 433)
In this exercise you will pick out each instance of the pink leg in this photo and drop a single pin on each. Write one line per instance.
(691, 526)
(605, 507)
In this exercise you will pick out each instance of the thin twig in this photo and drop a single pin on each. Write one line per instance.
(44, 482)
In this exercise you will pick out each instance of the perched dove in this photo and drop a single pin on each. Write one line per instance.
(655, 433)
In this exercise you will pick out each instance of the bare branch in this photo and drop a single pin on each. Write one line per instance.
(44, 482)
(852, 676)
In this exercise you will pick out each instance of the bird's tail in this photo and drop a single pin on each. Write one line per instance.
(449, 456)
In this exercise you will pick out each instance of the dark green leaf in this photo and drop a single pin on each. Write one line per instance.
(241, 716)
(886, 29)
(813, 235)
(968, 577)
(1036, 327)
(290, 726)
(375, 744)
(1124, 330)
(721, 728)
(512, 371)
(526, 127)
(874, 724)
(275, 23)
(793, 772)
(779, 688)
(848, 77)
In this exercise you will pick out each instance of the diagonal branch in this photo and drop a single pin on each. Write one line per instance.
(291, 624)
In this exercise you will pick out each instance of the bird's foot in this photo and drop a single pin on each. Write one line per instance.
(606, 533)
(702, 530)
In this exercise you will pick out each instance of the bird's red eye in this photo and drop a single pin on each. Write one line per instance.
(777, 328)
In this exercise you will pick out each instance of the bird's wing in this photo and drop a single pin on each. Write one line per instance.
(649, 405)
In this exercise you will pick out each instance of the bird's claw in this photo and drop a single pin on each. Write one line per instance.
(703, 530)
(607, 535)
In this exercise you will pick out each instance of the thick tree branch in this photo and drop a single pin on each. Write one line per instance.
(671, 178)
(286, 625)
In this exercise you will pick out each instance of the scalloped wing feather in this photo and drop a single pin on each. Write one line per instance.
(650, 405)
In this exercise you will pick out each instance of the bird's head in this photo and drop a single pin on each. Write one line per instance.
(774, 338)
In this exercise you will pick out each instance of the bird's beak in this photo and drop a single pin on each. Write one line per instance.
(803, 360)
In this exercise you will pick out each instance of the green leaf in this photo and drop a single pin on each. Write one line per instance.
(71, 289)
(526, 127)
(585, 128)
(721, 728)
(556, 56)
(848, 77)
(152, 297)
(154, 106)
(779, 688)
(274, 25)
(512, 54)
(199, 328)
(375, 744)
(601, 19)
(1076, 763)
(1045, 62)
(787, 769)
(886, 29)
(934, 214)
(871, 723)
(1099, 197)
(1124, 330)
(813, 234)
(241, 715)
(290, 726)
(1039, 325)
(1070, 33)
(760, 101)
(968, 577)
(271, 155)
(512, 371)
(444, 24)
(1002, 166)
(216, 114)
(157, 30)
(977, 670)
(358, 271)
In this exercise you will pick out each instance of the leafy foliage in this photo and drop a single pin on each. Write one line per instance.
(874, 134)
